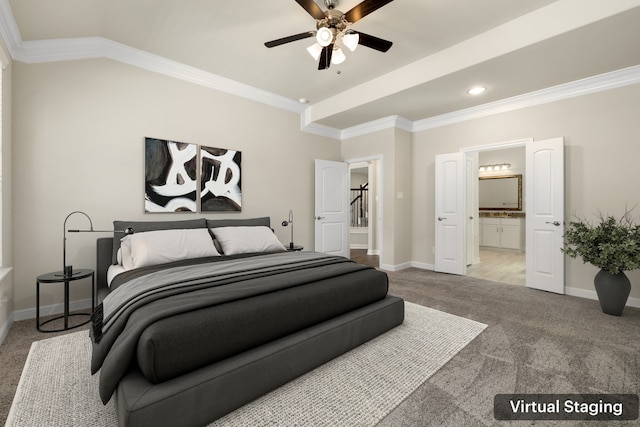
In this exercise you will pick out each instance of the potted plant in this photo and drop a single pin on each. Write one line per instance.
(613, 245)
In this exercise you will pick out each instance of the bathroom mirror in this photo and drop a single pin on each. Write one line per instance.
(500, 193)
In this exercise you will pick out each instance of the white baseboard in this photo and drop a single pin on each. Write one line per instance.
(397, 267)
(405, 265)
(48, 310)
(576, 292)
(583, 293)
(4, 328)
(422, 265)
(359, 246)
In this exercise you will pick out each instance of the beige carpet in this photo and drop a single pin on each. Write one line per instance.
(56, 389)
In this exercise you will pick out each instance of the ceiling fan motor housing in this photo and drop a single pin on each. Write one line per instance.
(334, 20)
(331, 4)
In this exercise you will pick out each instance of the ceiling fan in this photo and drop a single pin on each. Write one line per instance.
(332, 27)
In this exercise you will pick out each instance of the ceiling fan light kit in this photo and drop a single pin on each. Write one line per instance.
(350, 40)
(324, 36)
(338, 56)
(332, 31)
(315, 50)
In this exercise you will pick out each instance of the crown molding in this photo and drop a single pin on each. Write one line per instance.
(377, 125)
(317, 128)
(41, 51)
(599, 83)
(9, 29)
(54, 50)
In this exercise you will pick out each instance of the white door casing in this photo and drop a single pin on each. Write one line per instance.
(545, 215)
(473, 208)
(332, 207)
(450, 214)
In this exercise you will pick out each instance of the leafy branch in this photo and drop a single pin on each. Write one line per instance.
(612, 244)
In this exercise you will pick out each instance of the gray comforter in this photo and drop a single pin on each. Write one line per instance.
(131, 307)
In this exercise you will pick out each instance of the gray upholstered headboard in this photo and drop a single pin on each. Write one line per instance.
(107, 247)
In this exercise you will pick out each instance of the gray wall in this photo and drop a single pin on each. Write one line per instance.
(78, 144)
(602, 148)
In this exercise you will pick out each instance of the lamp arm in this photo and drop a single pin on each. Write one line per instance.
(289, 222)
(64, 239)
(128, 230)
(68, 270)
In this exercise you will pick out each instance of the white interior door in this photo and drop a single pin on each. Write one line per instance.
(332, 207)
(545, 215)
(450, 215)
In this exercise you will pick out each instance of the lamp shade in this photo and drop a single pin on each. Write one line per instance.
(315, 51)
(324, 36)
(338, 56)
(351, 40)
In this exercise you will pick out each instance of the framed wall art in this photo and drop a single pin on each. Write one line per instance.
(170, 176)
(220, 179)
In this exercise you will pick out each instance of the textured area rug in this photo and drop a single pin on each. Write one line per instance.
(358, 388)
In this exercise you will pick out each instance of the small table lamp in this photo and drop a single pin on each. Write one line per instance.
(67, 270)
(289, 222)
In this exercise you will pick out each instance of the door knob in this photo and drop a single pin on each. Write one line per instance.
(441, 218)
(319, 218)
(556, 223)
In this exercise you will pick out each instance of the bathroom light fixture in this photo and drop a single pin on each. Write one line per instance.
(477, 90)
(494, 167)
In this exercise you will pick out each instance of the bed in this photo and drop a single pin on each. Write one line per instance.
(199, 317)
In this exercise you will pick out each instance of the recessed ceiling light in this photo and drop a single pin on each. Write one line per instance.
(303, 101)
(476, 90)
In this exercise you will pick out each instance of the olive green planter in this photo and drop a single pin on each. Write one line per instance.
(613, 291)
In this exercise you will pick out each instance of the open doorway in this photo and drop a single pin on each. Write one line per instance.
(364, 219)
(543, 224)
(498, 235)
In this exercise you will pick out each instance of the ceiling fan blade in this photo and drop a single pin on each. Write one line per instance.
(373, 42)
(364, 8)
(312, 8)
(289, 39)
(325, 57)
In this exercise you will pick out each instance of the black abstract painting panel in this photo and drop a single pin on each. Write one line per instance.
(170, 176)
(221, 184)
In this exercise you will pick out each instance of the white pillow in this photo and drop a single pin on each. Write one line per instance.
(243, 240)
(158, 247)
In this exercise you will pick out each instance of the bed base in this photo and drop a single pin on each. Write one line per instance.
(202, 396)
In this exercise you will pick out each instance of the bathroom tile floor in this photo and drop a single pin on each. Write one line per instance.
(500, 266)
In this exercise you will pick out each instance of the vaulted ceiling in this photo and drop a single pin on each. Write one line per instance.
(440, 48)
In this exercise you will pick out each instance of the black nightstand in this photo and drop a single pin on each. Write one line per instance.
(59, 277)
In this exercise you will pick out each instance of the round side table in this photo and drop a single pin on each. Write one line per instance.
(60, 277)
